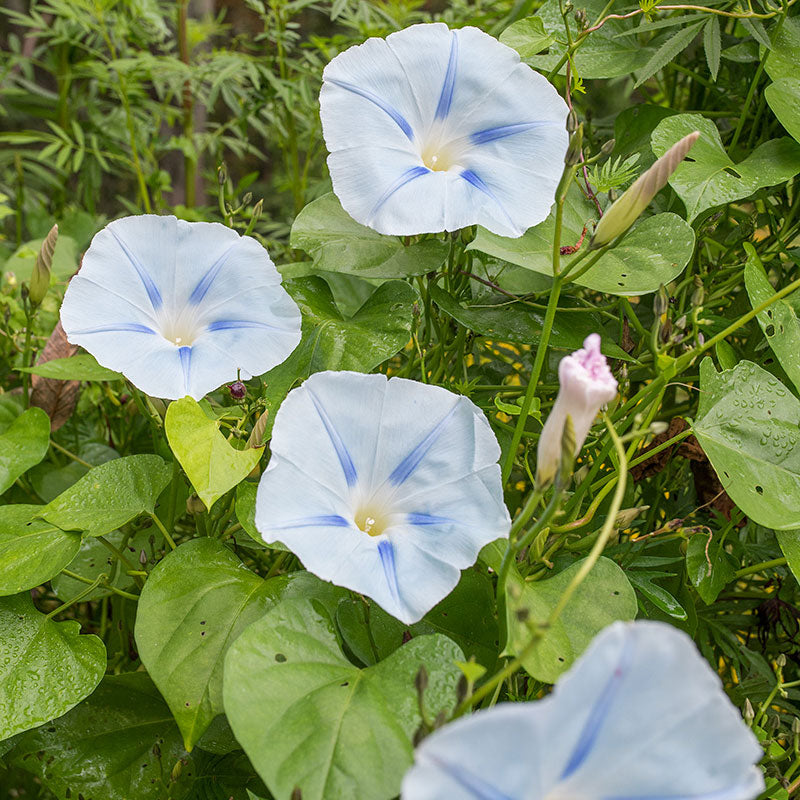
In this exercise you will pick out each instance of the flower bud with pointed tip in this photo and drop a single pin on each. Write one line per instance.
(40, 277)
(586, 384)
(626, 210)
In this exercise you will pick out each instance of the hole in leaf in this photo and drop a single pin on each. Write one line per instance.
(280, 658)
(731, 171)
(760, 489)
(769, 330)
(615, 593)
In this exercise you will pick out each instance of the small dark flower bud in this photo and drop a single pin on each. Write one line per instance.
(572, 121)
(660, 302)
(421, 679)
(238, 390)
(297, 793)
(461, 689)
(748, 713)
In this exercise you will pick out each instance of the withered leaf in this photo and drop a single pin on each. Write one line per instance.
(57, 398)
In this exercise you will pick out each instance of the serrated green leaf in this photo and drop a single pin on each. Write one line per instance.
(712, 43)
(668, 50)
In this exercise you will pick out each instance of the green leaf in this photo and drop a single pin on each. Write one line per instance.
(604, 596)
(308, 718)
(783, 98)
(105, 748)
(337, 243)
(708, 178)
(712, 43)
(210, 463)
(748, 424)
(48, 666)
(666, 52)
(82, 367)
(31, 551)
(708, 565)
(193, 606)
(657, 595)
(655, 251)
(518, 323)
(527, 36)
(65, 258)
(782, 60)
(110, 495)
(779, 322)
(789, 542)
(23, 445)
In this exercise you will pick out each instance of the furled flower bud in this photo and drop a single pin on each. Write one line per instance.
(627, 208)
(40, 277)
(238, 390)
(586, 385)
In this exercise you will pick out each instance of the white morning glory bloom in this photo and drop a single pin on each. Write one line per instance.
(640, 716)
(433, 129)
(387, 487)
(178, 307)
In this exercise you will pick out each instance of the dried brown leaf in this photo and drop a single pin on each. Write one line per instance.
(57, 398)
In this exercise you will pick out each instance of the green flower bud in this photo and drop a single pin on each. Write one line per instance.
(40, 277)
(627, 209)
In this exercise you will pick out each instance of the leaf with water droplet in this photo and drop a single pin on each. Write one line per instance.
(23, 445)
(47, 667)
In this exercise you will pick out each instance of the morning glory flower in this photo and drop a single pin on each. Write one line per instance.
(640, 716)
(433, 129)
(387, 487)
(179, 307)
(585, 385)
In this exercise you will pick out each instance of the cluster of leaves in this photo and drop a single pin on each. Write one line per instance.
(151, 645)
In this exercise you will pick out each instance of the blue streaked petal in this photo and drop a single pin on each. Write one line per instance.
(239, 324)
(398, 118)
(345, 459)
(317, 520)
(475, 785)
(408, 176)
(411, 461)
(147, 280)
(502, 131)
(448, 86)
(131, 327)
(204, 284)
(185, 354)
(386, 552)
(416, 518)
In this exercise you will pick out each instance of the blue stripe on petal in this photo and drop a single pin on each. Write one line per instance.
(132, 327)
(408, 176)
(475, 180)
(386, 552)
(446, 97)
(469, 781)
(416, 518)
(144, 275)
(186, 364)
(500, 132)
(325, 520)
(404, 469)
(233, 324)
(719, 794)
(597, 716)
(205, 282)
(343, 455)
(401, 121)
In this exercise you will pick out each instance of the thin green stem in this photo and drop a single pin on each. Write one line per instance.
(74, 576)
(164, 532)
(78, 597)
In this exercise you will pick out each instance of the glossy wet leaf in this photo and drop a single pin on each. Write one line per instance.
(783, 98)
(47, 666)
(32, 551)
(337, 243)
(645, 582)
(23, 445)
(527, 36)
(307, 717)
(193, 606)
(519, 323)
(748, 424)
(789, 542)
(119, 744)
(604, 596)
(81, 367)
(110, 495)
(779, 322)
(708, 178)
(782, 59)
(212, 465)
(655, 251)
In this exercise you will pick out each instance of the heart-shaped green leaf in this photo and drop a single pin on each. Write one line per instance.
(311, 720)
(783, 98)
(337, 243)
(210, 463)
(48, 666)
(110, 495)
(654, 252)
(748, 424)
(23, 445)
(31, 550)
(708, 178)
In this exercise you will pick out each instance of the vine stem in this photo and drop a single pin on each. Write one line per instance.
(164, 532)
(585, 568)
(78, 597)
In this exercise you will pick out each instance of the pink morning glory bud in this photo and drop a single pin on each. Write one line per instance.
(238, 390)
(586, 384)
